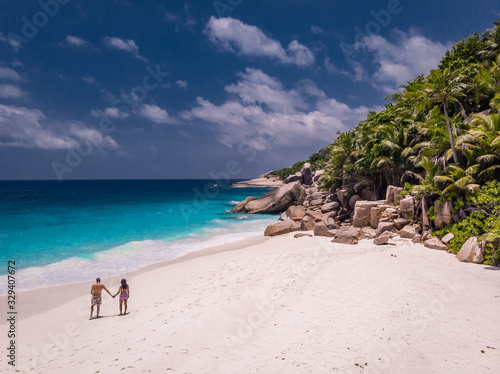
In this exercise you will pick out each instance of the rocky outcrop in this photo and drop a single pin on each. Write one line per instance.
(426, 222)
(353, 200)
(322, 230)
(265, 180)
(443, 214)
(408, 232)
(280, 228)
(393, 195)
(471, 252)
(447, 238)
(362, 212)
(317, 175)
(383, 239)
(399, 223)
(308, 223)
(315, 214)
(407, 208)
(296, 212)
(294, 178)
(383, 227)
(240, 207)
(348, 235)
(330, 207)
(331, 223)
(275, 201)
(343, 197)
(375, 214)
(307, 175)
(435, 243)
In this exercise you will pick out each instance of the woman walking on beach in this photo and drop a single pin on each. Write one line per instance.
(124, 292)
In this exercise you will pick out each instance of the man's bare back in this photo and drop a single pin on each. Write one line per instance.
(97, 289)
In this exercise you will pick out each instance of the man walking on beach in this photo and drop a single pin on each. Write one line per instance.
(96, 291)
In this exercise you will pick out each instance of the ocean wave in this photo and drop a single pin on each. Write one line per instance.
(135, 255)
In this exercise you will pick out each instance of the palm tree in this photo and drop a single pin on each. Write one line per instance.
(428, 181)
(444, 87)
(492, 51)
(458, 180)
(486, 135)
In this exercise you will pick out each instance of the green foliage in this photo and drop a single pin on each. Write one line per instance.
(408, 187)
(483, 223)
(285, 172)
(433, 137)
(318, 161)
(465, 52)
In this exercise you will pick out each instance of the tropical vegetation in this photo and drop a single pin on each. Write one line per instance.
(440, 135)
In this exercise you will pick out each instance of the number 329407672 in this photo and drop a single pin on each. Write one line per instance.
(11, 284)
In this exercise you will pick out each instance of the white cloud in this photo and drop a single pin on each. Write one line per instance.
(317, 30)
(22, 127)
(14, 43)
(109, 113)
(235, 36)
(76, 41)
(9, 91)
(332, 69)
(265, 115)
(126, 45)
(9, 74)
(88, 78)
(153, 113)
(171, 17)
(400, 61)
(182, 84)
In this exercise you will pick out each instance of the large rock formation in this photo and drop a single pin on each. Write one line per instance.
(343, 198)
(308, 223)
(471, 252)
(280, 228)
(307, 176)
(399, 223)
(294, 178)
(348, 235)
(353, 200)
(408, 232)
(435, 243)
(275, 201)
(362, 212)
(383, 227)
(317, 175)
(407, 208)
(240, 207)
(322, 230)
(375, 214)
(330, 207)
(296, 212)
(443, 214)
(393, 195)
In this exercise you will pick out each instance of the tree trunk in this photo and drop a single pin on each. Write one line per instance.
(450, 133)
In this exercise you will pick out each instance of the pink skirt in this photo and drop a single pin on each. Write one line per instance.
(124, 296)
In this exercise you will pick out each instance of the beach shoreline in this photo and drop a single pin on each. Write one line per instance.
(274, 305)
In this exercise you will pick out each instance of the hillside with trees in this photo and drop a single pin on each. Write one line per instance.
(439, 138)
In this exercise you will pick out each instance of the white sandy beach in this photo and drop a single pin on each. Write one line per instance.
(280, 305)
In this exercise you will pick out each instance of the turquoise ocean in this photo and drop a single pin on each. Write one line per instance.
(71, 231)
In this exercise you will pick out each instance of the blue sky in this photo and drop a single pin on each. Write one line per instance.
(200, 89)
